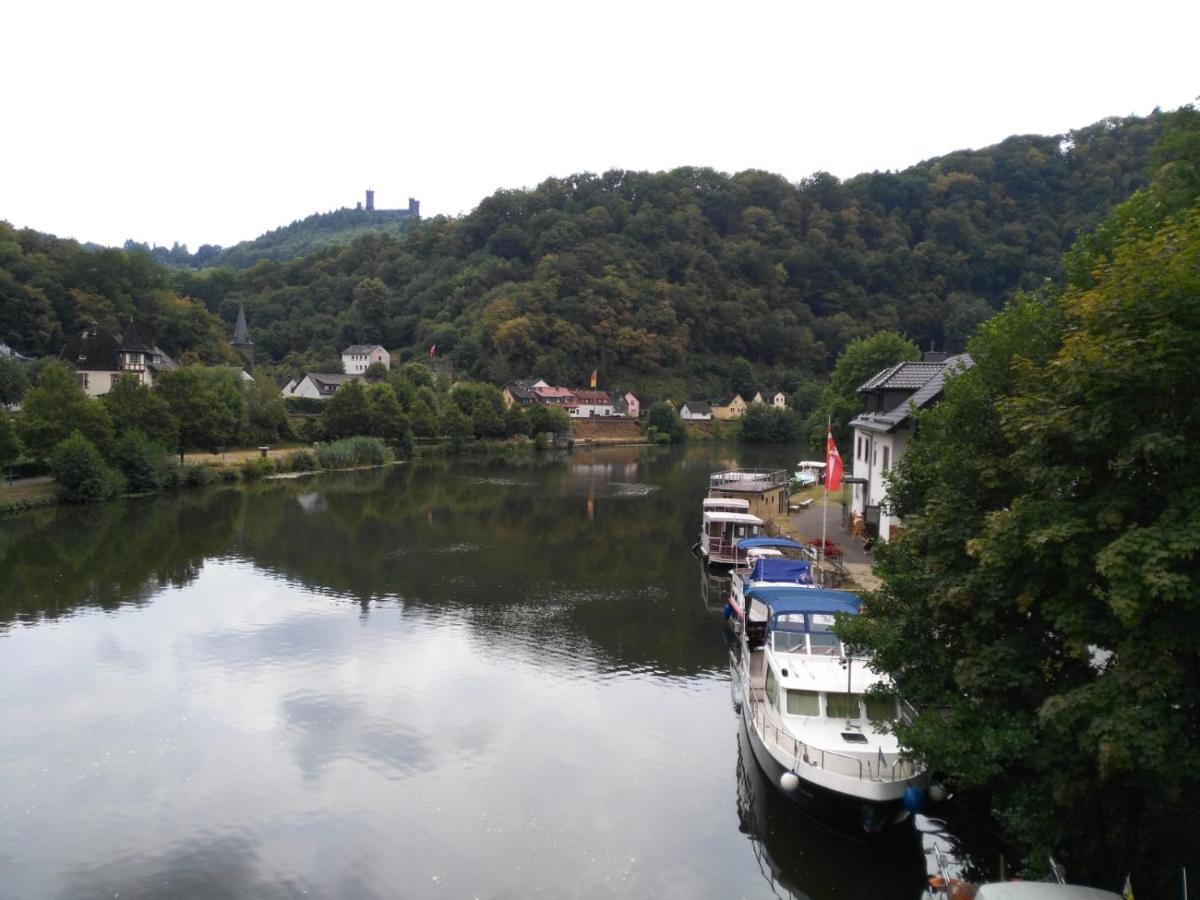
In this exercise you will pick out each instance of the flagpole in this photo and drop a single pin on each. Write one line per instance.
(825, 505)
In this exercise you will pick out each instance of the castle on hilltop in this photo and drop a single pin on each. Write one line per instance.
(414, 207)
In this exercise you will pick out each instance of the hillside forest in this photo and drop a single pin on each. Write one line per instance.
(677, 284)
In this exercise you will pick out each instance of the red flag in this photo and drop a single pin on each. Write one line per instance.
(833, 464)
(433, 351)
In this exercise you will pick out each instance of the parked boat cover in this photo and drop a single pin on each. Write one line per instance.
(795, 571)
(759, 542)
(787, 599)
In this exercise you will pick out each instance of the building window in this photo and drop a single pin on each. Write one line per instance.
(886, 460)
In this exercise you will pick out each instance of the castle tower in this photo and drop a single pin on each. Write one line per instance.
(370, 200)
(241, 339)
(414, 207)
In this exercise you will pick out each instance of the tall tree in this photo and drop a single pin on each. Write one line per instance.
(57, 407)
(206, 421)
(131, 405)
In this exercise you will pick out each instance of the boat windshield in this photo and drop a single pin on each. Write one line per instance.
(805, 633)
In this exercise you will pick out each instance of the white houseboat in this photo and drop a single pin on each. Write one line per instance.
(815, 729)
(720, 532)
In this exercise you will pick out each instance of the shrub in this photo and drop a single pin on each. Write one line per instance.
(260, 467)
(196, 476)
(145, 465)
(227, 474)
(81, 472)
(354, 451)
(300, 461)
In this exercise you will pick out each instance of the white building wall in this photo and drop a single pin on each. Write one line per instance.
(97, 384)
(870, 449)
(306, 388)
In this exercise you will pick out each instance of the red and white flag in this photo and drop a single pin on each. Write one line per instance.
(833, 464)
(433, 351)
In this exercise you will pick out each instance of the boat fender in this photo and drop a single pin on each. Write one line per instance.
(789, 781)
(937, 792)
(728, 611)
(914, 799)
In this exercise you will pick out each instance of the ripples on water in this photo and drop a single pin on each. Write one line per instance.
(386, 684)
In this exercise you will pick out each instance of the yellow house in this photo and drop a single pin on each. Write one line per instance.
(731, 406)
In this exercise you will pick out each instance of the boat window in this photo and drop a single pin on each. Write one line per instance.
(803, 703)
(822, 622)
(825, 644)
(789, 642)
(841, 706)
(771, 686)
(880, 708)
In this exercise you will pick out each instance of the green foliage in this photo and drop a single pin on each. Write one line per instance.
(13, 381)
(264, 417)
(81, 472)
(516, 422)
(347, 412)
(10, 444)
(131, 405)
(300, 461)
(354, 451)
(861, 359)
(1044, 596)
(553, 419)
(144, 463)
(257, 468)
(764, 424)
(690, 282)
(56, 408)
(664, 419)
(387, 419)
(205, 405)
(456, 426)
(196, 476)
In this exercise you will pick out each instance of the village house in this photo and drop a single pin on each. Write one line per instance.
(777, 399)
(731, 406)
(357, 358)
(696, 411)
(625, 404)
(101, 357)
(521, 392)
(592, 403)
(885, 426)
(317, 385)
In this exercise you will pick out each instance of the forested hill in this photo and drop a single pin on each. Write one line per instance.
(298, 239)
(673, 283)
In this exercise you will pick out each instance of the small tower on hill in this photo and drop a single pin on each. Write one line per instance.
(241, 339)
(370, 201)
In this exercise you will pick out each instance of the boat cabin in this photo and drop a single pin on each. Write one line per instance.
(720, 533)
(726, 504)
(765, 491)
(809, 472)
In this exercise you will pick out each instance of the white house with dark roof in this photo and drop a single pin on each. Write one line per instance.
(885, 426)
(357, 358)
(317, 385)
(696, 411)
(101, 357)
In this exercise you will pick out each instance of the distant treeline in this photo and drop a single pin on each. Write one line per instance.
(680, 284)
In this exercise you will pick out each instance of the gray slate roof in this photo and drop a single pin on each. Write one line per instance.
(926, 391)
(361, 348)
(698, 408)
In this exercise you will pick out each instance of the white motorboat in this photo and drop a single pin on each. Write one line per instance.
(768, 561)
(722, 529)
(818, 730)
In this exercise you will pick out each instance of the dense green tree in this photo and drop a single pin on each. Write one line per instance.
(763, 424)
(264, 416)
(456, 426)
(13, 381)
(206, 420)
(347, 412)
(543, 419)
(144, 463)
(387, 419)
(131, 405)
(55, 408)
(1042, 601)
(665, 420)
(81, 472)
(10, 444)
(516, 422)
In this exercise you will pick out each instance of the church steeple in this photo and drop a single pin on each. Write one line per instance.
(241, 338)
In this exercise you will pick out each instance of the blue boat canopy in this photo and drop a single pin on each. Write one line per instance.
(773, 542)
(785, 599)
(776, 568)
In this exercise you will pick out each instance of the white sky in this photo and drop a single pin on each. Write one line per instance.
(211, 122)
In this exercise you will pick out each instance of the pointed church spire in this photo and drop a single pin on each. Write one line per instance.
(241, 338)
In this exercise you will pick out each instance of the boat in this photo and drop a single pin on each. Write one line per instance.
(808, 472)
(816, 732)
(725, 522)
(767, 563)
(945, 885)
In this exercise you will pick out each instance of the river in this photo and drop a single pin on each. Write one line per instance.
(474, 678)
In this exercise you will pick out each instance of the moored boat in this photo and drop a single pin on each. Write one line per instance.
(818, 731)
(720, 532)
(768, 561)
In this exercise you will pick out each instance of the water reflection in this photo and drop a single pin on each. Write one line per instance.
(473, 678)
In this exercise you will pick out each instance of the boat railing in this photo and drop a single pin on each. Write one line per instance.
(827, 760)
(762, 478)
(908, 714)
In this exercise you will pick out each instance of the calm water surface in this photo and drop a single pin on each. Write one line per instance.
(469, 679)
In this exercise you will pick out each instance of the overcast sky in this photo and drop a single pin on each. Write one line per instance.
(211, 122)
